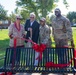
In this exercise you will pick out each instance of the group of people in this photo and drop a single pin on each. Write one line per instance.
(40, 32)
(37, 32)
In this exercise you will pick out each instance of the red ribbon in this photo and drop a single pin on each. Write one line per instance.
(75, 58)
(8, 73)
(39, 48)
(75, 53)
(51, 64)
(2, 73)
(15, 41)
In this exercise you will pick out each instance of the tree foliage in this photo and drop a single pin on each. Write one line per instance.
(40, 7)
(22, 12)
(3, 13)
(12, 17)
(72, 17)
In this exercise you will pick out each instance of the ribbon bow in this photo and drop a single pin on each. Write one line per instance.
(39, 48)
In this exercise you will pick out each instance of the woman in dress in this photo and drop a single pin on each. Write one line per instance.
(16, 32)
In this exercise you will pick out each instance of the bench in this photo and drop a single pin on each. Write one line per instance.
(25, 63)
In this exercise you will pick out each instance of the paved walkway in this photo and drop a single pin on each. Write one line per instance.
(37, 74)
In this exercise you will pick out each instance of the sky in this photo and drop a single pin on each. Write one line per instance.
(72, 6)
(10, 5)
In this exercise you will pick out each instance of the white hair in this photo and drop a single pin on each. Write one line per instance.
(32, 14)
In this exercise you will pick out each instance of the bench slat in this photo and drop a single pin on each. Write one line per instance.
(23, 60)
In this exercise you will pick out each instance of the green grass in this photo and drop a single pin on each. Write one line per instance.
(74, 35)
(4, 41)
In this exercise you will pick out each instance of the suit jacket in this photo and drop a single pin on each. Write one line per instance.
(35, 30)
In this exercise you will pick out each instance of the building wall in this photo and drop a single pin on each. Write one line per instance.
(4, 25)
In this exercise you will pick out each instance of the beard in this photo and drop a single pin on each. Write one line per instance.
(57, 14)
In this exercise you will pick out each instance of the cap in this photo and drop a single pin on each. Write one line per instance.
(18, 16)
(42, 19)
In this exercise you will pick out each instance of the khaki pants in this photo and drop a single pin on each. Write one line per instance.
(61, 42)
(61, 53)
(36, 60)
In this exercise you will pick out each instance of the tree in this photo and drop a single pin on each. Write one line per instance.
(40, 7)
(12, 17)
(22, 12)
(3, 13)
(24, 15)
(52, 17)
(72, 17)
(48, 20)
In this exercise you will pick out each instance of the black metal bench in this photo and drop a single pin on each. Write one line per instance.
(26, 60)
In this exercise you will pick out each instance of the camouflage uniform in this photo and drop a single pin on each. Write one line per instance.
(62, 31)
(45, 35)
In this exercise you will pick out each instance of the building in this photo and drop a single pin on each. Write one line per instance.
(4, 24)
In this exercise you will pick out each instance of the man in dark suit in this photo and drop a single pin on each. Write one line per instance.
(32, 28)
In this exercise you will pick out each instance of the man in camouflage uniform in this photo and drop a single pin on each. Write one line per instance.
(44, 33)
(62, 31)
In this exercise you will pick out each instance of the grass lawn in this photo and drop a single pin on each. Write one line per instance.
(74, 35)
(4, 41)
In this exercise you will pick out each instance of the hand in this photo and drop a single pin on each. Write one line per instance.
(29, 38)
(23, 36)
(16, 37)
(30, 29)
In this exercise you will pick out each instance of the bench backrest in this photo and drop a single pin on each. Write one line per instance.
(27, 58)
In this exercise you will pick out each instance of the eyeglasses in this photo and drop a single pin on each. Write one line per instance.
(31, 17)
(18, 19)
